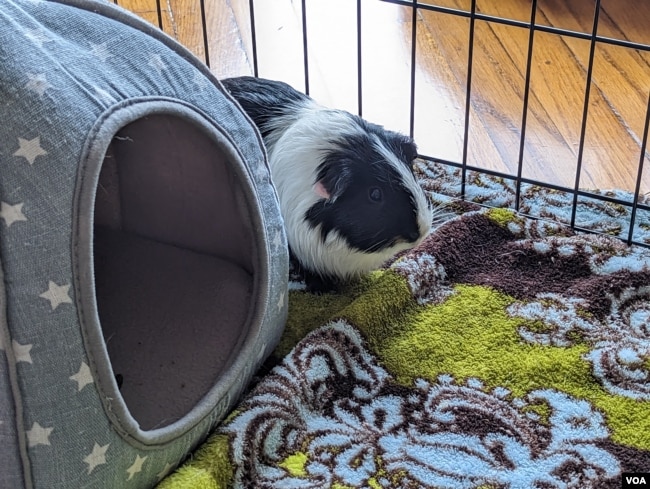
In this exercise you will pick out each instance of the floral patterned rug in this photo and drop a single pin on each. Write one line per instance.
(504, 352)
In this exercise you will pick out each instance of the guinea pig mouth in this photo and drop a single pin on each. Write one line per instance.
(379, 246)
(401, 242)
(412, 237)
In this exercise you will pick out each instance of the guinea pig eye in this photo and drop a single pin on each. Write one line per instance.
(375, 194)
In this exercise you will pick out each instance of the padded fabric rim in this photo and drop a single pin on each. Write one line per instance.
(95, 150)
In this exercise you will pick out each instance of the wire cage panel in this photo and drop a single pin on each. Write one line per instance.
(541, 93)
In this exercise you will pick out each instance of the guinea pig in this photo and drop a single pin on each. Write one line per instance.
(347, 192)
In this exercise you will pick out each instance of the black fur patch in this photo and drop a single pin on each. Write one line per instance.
(400, 145)
(263, 100)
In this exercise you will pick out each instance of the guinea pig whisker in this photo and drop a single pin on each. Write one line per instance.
(385, 243)
(378, 244)
(441, 213)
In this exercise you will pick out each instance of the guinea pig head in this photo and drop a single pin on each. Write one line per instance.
(368, 194)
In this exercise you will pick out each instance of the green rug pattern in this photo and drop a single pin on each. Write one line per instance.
(503, 352)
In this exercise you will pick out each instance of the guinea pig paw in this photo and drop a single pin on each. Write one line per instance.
(317, 285)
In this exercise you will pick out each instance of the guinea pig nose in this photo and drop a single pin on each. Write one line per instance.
(413, 236)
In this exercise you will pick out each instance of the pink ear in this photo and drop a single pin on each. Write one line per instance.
(321, 191)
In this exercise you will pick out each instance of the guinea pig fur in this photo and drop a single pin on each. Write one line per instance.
(346, 187)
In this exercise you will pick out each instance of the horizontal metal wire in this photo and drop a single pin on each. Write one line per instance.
(473, 15)
(518, 179)
(538, 183)
(520, 23)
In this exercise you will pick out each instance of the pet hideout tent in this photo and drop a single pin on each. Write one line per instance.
(143, 261)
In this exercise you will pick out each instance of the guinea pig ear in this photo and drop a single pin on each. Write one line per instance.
(332, 183)
(409, 149)
(321, 191)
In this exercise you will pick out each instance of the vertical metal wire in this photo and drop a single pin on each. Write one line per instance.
(359, 63)
(474, 16)
(637, 188)
(305, 48)
(251, 9)
(414, 34)
(585, 112)
(524, 116)
(159, 12)
(204, 26)
(468, 95)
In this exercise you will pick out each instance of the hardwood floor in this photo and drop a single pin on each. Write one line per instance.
(618, 93)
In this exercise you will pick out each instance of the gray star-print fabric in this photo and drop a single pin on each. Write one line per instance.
(71, 74)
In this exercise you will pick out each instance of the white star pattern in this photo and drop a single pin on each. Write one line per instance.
(30, 149)
(38, 435)
(38, 36)
(101, 51)
(163, 473)
(83, 377)
(12, 213)
(136, 467)
(21, 352)
(96, 457)
(157, 63)
(57, 294)
(37, 83)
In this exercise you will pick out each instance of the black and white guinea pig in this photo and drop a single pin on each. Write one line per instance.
(346, 187)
